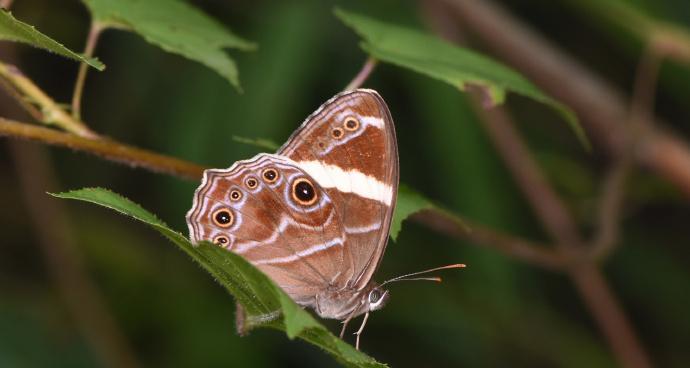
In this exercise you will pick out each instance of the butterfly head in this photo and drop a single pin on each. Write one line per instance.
(376, 298)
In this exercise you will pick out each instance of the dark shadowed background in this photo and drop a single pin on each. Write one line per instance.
(500, 311)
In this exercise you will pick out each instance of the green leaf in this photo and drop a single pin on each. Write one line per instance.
(175, 27)
(460, 67)
(14, 30)
(410, 202)
(265, 304)
(257, 142)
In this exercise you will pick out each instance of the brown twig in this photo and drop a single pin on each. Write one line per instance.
(108, 149)
(557, 220)
(602, 109)
(81, 296)
(610, 205)
(363, 74)
(644, 89)
(547, 205)
(51, 112)
(553, 214)
(91, 41)
(135, 157)
(512, 246)
(613, 189)
(26, 105)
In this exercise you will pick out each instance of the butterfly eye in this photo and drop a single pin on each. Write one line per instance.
(303, 192)
(351, 124)
(377, 298)
(270, 175)
(337, 133)
(221, 240)
(223, 217)
(374, 296)
(235, 195)
(251, 183)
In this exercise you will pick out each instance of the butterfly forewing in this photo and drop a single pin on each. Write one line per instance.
(349, 147)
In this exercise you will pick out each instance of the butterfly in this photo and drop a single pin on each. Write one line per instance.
(316, 215)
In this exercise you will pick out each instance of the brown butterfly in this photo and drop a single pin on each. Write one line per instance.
(314, 216)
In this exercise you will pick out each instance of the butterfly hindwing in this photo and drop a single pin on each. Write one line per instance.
(253, 210)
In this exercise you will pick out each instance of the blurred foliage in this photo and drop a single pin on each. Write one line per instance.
(497, 312)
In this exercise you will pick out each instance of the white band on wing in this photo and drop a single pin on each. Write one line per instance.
(350, 181)
(301, 254)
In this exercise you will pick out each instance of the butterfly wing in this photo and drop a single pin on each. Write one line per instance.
(276, 216)
(349, 147)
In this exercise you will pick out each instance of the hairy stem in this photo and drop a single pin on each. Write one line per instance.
(509, 245)
(363, 74)
(51, 112)
(555, 217)
(91, 41)
(613, 193)
(108, 149)
(603, 110)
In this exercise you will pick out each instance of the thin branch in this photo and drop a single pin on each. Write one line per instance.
(602, 109)
(363, 74)
(511, 246)
(91, 41)
(591, 285)
(547, 205)
(108, 149)
(81, 296)
(28, 107)
(135, 157)
(610, 205)
(613, 193)
(51, 112)
(594, 290)
(608, 314)
(644, 89)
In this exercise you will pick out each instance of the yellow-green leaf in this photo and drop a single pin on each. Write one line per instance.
(436, 58)
(14, 30)
(175, 27)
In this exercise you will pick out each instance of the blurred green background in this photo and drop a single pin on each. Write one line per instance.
(497, 312)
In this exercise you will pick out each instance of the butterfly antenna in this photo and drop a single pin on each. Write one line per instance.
(409, 277)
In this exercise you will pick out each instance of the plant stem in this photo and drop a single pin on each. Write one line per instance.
(603, 110)
(509, 245)
(91, 41)
(51, 112)
(363, 74)
(524, 250)
(108, 149)
(613, 193)
(549, 208)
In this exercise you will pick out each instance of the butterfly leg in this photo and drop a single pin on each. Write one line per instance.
(361, 329)
(342, 330)
(240, 318)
